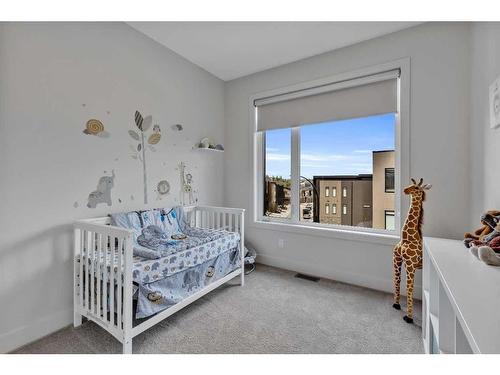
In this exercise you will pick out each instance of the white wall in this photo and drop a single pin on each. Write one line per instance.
(485, 142)
(439, 147)
(47, 72)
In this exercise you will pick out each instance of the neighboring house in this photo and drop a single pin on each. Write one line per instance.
(359, 200)
(345, 200)
(383, 189)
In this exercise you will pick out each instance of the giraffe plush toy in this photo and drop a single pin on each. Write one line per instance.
(409, 249)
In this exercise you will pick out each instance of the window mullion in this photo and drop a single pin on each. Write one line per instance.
(295, 175)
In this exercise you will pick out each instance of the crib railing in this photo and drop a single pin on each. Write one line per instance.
(99, 285)
(230, 219)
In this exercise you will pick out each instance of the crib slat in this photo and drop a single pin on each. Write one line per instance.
(92, 272)
(119, 311)
(80, 275)
(105, 282)
(217, 220)
(87, 271)
(99, 270)
(112, 281)
(224, 220)
(230, 224)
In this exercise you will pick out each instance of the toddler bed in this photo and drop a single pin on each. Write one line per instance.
(120, 259)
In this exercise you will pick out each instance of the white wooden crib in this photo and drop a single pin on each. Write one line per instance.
(92, 282)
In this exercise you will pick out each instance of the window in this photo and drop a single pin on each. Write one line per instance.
(304, 168)
(389, 220)
(389, 180)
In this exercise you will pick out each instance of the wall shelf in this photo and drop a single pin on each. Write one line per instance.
(207, 149)
(461, 300)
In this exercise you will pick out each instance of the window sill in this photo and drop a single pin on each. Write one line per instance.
(344, 234)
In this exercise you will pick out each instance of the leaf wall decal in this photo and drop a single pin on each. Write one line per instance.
(138, 120)
(133, 134)
(154, 138)
(146, 123)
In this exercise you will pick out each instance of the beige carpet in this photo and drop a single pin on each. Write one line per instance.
(273, 313)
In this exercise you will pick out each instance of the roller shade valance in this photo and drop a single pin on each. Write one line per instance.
(360, 97)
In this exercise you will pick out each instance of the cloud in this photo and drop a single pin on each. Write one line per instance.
(277, 157)
(363, 151)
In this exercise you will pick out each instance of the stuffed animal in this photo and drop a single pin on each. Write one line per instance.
(487, 232)
(488, 250)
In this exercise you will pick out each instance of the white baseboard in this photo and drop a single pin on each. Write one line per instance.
(37, 329)
(378, 283)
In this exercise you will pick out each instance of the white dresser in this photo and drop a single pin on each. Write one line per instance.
(461, 300)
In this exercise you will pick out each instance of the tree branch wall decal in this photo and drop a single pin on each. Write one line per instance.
(143, 124)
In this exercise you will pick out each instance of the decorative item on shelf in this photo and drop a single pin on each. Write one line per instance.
(409, 249)
(208, 144)
(484, 243)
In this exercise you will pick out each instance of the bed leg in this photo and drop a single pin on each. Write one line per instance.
(242, 277)
(77, 319)
(127, 347)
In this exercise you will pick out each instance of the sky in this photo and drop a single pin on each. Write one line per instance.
(331, 148)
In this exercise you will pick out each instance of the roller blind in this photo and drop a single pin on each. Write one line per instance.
(360, 97)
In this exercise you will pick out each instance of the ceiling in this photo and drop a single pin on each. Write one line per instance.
(231, 50)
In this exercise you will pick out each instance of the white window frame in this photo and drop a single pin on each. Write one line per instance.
(334, 191)
(327, 191)
(344, 209)
(327, 209)
(402, 162)
(334, 209)
(344, 192)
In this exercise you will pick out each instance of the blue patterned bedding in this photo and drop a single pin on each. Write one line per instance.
(171, 270)
(159, 295)
(149, 270)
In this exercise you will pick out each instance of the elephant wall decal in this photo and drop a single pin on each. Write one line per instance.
(103, 192)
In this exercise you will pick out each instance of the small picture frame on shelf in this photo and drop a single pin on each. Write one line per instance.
(495, 104)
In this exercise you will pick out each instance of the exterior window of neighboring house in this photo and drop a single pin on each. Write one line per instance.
(389, 180)
(389, 220)
(298, 167)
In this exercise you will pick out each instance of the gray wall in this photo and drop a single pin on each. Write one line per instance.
(485, 142)
(439, 148)
(47, 72)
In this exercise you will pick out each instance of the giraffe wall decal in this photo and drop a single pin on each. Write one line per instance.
(409, 248)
